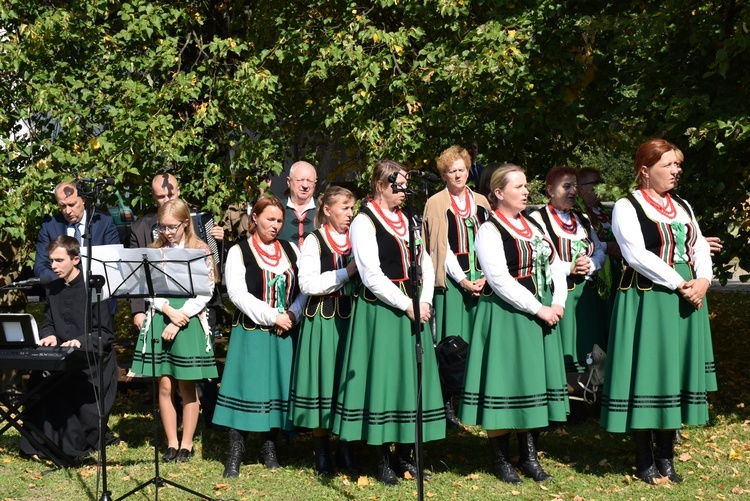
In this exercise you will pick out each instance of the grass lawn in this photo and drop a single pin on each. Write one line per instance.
(587, 463)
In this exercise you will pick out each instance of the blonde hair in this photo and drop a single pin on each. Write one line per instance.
(328, 198)
(500, 180)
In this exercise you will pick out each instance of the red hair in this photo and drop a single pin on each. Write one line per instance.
(649, 153)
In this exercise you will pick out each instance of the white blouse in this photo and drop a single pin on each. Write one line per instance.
(627, 231)
(491, 254)
(365, 250)
(311, 281)
(255, 308)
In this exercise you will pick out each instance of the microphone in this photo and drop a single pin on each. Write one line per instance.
(427, 176)
(43, 280)
(104, 181)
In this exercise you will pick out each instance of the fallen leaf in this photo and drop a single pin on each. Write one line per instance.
(685, 456)
(430, 494)
(407, 475)
(362, 481)
(220, 486)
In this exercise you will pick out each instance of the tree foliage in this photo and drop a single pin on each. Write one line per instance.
(219, 89)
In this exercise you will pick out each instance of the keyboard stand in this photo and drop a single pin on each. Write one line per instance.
(11, 411)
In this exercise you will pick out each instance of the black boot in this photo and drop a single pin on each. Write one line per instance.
(236, 451)
(528, 462)
(501, 459)
(402, 461)
(450, 414)
(385, 474)
(644, 457)
(664, 457)
(268, 449)
(322, 456)
(345, 458)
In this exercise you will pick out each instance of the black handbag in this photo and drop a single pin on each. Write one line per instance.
(452, 353)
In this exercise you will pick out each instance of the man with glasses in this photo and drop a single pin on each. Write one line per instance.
(300, 206)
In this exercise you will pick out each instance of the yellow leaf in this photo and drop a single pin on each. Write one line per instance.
(511, 34)
(430, 494)
(685, 456)
(220, 486)
(375, 38)
(515, 493)
(735, 454)
(362, 481)
(94, 144)
(407, 475)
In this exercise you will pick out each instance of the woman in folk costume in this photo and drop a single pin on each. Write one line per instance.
(185, 354)
(325, 270)
(515, 378)
(582, 255)
(450, 223)
(660, 362)
(377, 394)
(261, 276)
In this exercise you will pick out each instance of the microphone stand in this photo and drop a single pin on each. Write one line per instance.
(96, 282)
(415, 276)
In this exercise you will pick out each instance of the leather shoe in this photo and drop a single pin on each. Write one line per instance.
(183, 455)
(170, 455)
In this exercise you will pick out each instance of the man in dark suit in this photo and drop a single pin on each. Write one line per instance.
(71, 221)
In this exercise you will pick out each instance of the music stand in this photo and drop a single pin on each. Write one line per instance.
(167, 273)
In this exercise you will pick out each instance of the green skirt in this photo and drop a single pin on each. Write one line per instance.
(454, 311)
(188, 357)
(317, 364)
(377, 396)
(515, 376)
(583, 325)
(660, 362)
(254, 391)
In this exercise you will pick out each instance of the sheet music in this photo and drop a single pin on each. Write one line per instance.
(174, 272)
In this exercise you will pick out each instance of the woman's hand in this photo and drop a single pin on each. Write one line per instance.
(694, 291)
(283, 323)
(170, 332)
(549, 315)
(581, 266)
(474, 287)
(424, 312)
(177, 317)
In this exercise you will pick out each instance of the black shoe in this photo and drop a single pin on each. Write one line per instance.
(170, 455)
(528, 461)
(664, 455)
(385, 474)
(184, 455)
(268, 451)
(236, 451)
(345, 459)
(645, 469)
(501, 467)
(323, 463)
(401, 462)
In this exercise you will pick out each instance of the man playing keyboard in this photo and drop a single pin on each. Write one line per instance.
(69, 416)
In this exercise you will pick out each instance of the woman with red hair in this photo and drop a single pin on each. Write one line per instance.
(660, 362)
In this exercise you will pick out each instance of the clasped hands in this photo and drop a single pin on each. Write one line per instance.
(424, 312)
(475, 287)
(551, 315)
(694, 291)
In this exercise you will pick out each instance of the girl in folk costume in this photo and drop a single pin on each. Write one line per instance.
(377, 396)
(515, 378)
(325, 270)
(450, 223)
(660, 362)
(261, 276)
(185, 354)
(582, 254)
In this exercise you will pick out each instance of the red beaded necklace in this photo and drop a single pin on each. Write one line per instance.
(525, 232)
(669, 211)
(571, 227)
(269, 259)
(598, 213)
(398, 226)
(466, 212)
(342, 250)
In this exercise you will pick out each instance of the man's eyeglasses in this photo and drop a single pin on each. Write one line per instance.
(169, 229)
(591, 182)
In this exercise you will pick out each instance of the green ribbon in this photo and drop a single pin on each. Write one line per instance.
(280, 282)
(542, 252)
(680, 235)
(469, 222)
